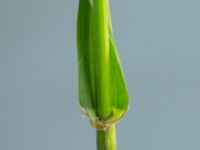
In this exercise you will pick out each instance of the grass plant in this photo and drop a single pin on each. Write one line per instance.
(103, 93)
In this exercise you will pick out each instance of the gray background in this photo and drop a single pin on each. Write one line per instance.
(159, 46)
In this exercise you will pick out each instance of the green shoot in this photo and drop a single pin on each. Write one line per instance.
(103, 93)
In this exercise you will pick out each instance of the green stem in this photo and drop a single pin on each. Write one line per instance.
(106, 140)
(101, 49)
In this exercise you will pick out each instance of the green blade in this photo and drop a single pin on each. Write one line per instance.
(118, 84)
(85, 56)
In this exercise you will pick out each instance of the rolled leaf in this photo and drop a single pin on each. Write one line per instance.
(103, 94)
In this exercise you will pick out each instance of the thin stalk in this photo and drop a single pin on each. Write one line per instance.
(101, 48)
(106, 140)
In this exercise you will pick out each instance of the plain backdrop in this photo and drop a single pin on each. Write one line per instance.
(159, 46)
